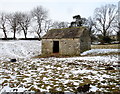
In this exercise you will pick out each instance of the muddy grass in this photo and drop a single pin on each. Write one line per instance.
(110, 46)
(53, 74)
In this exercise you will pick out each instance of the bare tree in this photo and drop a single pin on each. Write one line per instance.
(90, 24)
(116, 27)
(63, 24)
(3, 23)
(104, 16)
(13, 22)
(48, 25)
(59, 25)
(24, 22)
(39, 15)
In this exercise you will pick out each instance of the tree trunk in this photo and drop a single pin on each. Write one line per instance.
(39, 36)
(104, 36)
(25, 33)
(5, 35)
(14, 36)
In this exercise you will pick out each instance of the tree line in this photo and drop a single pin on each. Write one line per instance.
(36, 21)
(104, 22)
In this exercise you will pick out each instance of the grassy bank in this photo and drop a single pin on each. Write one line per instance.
(110, 46)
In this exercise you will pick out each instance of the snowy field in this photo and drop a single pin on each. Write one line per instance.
(19, 49)
(56, 74)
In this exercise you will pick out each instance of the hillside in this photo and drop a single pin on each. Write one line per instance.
(19, 49)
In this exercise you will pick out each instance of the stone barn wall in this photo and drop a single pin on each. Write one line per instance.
(47, 46)
(85, 42)
(70, 46)
(66, 46)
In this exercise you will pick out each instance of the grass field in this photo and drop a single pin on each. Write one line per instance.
(110, 46)
(58, 75)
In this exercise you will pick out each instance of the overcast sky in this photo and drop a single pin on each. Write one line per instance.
(59, 10)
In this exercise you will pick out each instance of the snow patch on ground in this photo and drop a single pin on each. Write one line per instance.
(108, 58)
(19, 49)
(100, 51)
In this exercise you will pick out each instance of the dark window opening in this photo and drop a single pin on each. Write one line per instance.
(55, 46)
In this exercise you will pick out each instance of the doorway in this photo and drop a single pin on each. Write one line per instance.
(55, 46)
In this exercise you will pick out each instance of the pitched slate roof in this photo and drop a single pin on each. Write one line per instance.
(64, 33)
